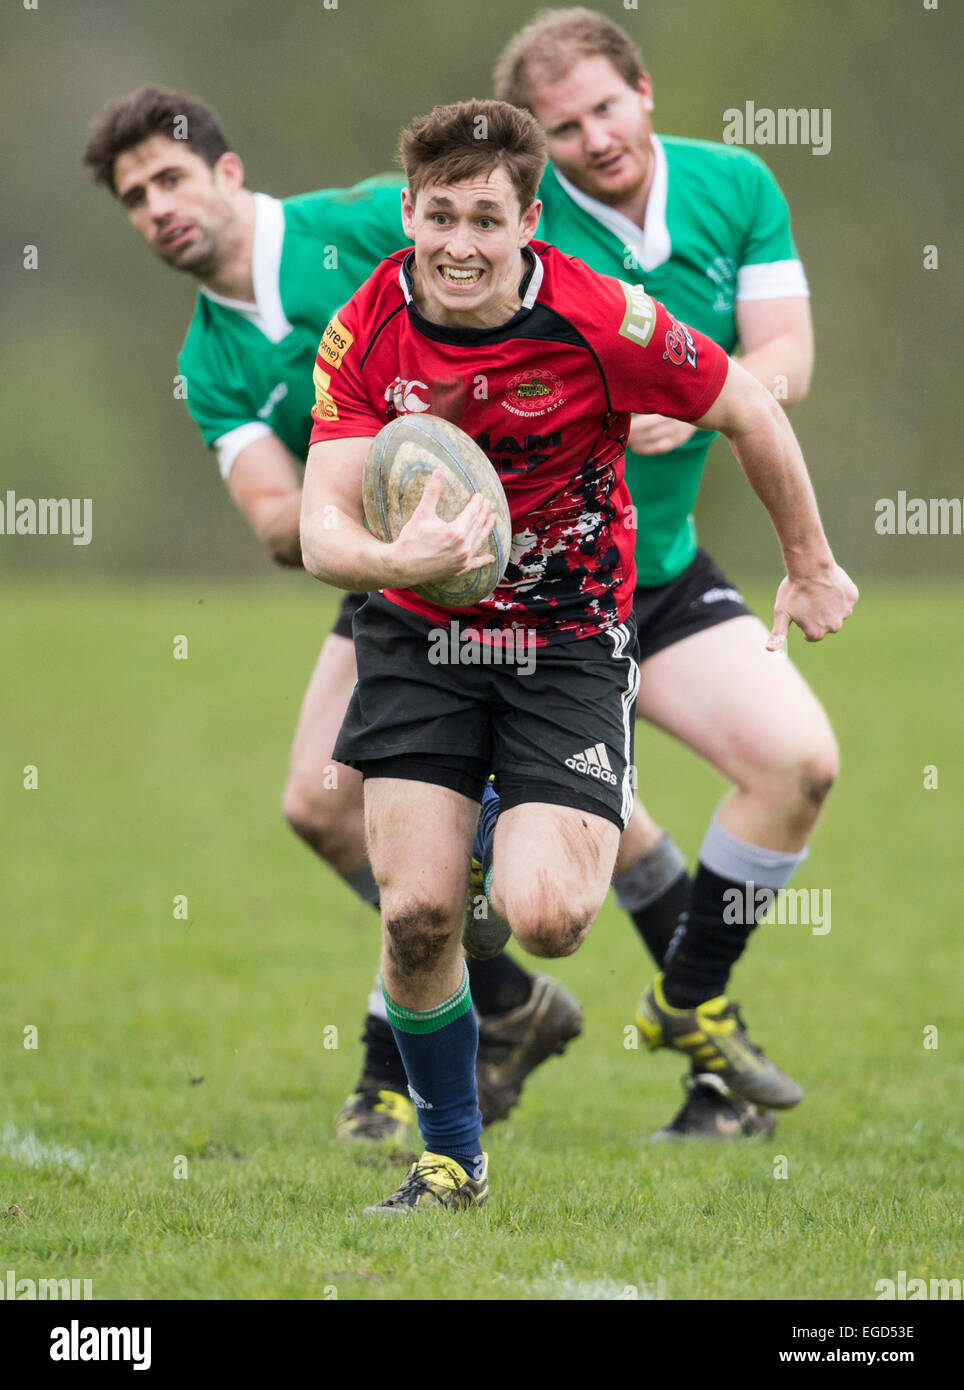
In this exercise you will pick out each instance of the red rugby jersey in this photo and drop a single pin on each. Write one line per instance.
(547, 396)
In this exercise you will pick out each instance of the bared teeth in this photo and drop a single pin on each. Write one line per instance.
(461, 277)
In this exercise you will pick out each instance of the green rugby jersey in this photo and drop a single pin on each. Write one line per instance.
(717, 230)
(248, 366)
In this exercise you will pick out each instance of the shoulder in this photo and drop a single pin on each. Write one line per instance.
(692, 156)
(720, 174)
(377, 299)
(573, 289)
(377, 197)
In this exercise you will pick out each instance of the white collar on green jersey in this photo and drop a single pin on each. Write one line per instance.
(267, 312)
(650, 244)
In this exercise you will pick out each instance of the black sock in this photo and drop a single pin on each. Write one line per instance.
(382, 1068)
(654, 891)
(707, 943)
(658, 920)
(498, 985)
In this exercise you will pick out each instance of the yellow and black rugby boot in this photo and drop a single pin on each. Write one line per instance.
(714, 1037)
(379, 1119)
(436, 1181)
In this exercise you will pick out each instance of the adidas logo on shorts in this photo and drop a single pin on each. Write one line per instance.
(594, 762)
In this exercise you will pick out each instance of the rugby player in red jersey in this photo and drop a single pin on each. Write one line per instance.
(479, 299)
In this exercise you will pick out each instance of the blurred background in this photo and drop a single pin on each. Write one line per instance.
(314, 97)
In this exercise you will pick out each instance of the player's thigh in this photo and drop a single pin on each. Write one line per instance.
(554, 866)
(419, 844)
(324, 705)
(748, 711)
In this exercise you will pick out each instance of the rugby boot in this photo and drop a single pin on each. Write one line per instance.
(512, 1045)
(714, 1037)
(381, 1118)
(435, 1181)
(711, 1112)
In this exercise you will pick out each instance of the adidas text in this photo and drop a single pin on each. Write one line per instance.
(593, 762)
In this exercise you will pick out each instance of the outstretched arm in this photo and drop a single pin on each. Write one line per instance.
(265, 485)
(817, 594)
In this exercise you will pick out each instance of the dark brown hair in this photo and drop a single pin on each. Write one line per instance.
(551, 45)
(131, 119)
(470, 139)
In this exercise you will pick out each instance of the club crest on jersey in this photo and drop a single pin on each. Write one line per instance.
(680, 347)
(533, 393)
(403, 396)
(722, 271)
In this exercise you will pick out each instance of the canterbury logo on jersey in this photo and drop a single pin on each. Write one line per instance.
(594, 762)
(402, 395)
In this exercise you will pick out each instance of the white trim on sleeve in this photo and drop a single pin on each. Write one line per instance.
(772, 280)
(231, 444)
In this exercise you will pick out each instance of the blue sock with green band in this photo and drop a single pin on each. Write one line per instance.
(438, 1047)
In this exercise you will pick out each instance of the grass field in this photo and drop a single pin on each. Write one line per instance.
(159, 1036)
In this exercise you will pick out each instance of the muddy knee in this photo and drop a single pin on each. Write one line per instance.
(549, 929)
(417, 938)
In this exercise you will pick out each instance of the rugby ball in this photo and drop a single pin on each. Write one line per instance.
(401, 459)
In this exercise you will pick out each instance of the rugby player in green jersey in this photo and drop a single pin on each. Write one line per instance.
(705, 228)
(271, 273)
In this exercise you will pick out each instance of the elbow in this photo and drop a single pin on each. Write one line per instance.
(799, 384)
(313, 562)
(766, 409)
(801, 371)
(326, 562)
(759, 413)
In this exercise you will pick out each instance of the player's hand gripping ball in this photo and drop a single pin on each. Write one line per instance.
(401, 459)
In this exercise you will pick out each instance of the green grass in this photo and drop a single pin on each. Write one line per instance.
(160, 777)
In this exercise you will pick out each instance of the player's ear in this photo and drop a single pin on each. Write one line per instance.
(408, 213)
(229, 171)
(530, 221)
(645, 88)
